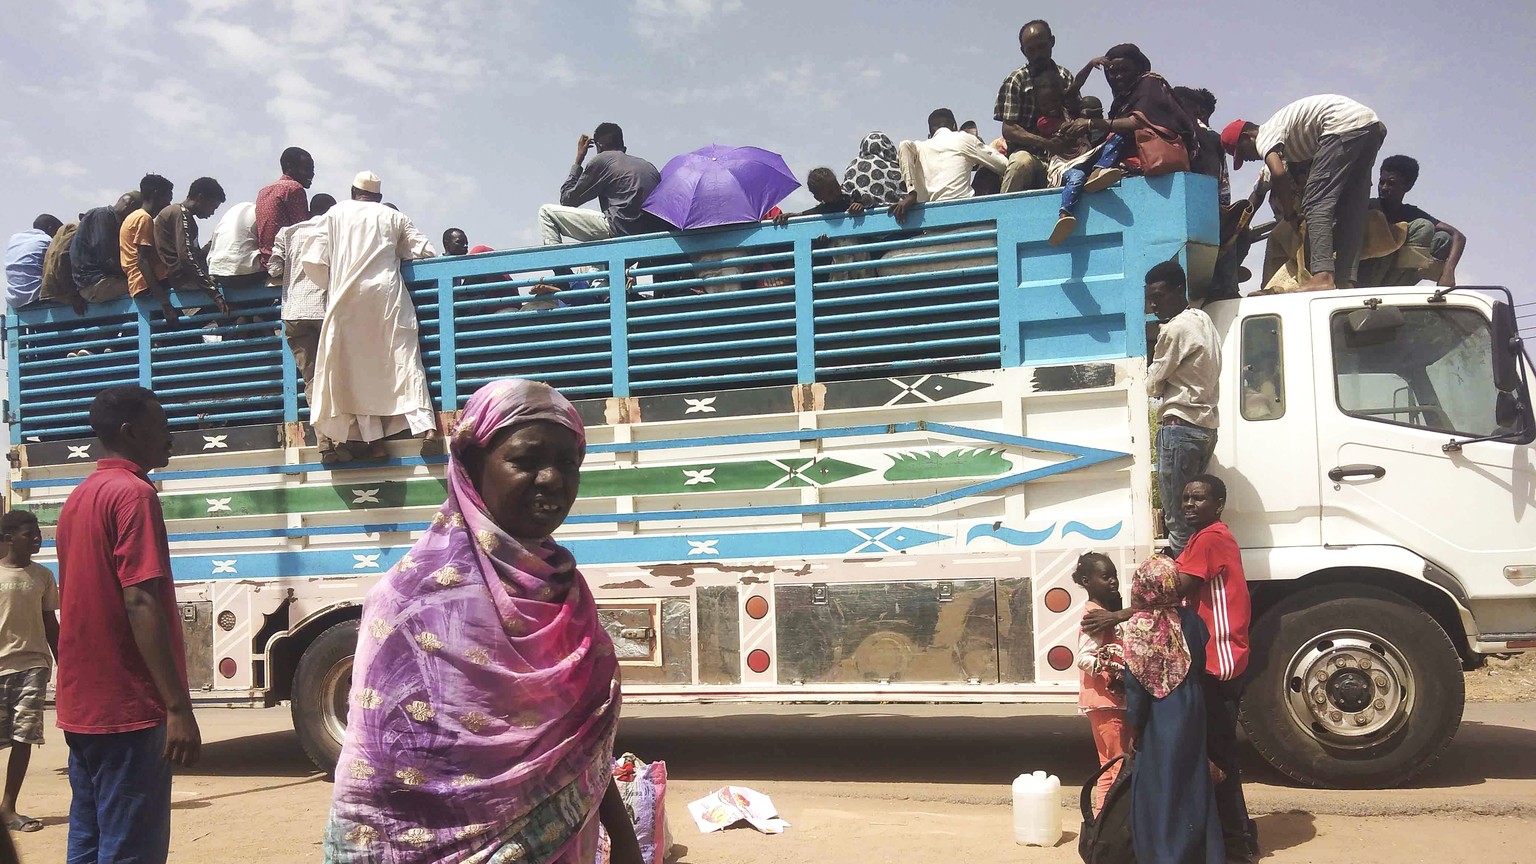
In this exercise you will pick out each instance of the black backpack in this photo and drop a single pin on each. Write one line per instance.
(1106, 838)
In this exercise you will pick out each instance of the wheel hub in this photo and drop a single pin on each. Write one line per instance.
(1349, 688)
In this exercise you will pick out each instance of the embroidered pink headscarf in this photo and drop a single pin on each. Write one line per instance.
(484, 699)
(1155, 651)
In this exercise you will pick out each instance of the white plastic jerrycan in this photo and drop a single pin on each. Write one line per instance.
(1037, 809)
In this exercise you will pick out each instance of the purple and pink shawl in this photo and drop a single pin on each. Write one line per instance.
(484, 699)
(1155, 651)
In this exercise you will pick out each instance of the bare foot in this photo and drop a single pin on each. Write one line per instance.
(1318, 282)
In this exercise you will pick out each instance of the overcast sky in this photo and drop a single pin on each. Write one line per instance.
(470, 111)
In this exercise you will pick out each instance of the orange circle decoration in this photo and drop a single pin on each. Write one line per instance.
(1058, 600)
(1060, 658)
(757, 607)
(758, 661)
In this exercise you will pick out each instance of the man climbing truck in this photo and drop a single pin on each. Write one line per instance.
(865, 475)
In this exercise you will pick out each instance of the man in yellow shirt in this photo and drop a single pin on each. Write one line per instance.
(136, 239)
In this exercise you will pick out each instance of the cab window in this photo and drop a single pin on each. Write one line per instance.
(1263, 369)
(1433, 372)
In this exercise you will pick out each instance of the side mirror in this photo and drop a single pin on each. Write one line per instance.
(1506, 348)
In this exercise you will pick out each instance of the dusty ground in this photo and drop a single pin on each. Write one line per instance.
(1504, 680)
(863, 784)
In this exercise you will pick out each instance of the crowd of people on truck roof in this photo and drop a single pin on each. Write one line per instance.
(1153, 675)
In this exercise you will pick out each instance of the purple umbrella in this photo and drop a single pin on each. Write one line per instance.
(719, 185)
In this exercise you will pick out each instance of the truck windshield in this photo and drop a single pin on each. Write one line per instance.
(1434, 372)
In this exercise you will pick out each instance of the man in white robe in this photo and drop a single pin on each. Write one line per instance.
(369, 378)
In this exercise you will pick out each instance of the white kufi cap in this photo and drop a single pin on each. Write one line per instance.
(368, 182)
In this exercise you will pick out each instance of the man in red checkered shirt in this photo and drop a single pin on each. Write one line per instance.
(284, 202)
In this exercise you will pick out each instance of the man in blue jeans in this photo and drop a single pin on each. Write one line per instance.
(1185, 372)
(122, 690)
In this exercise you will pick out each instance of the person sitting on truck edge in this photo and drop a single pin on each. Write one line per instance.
(487, 635)
(939, 169)
(234, 257)
(1431, 245)
(1185, 374)
(122, 695)
(1028, 151)
(1340, 138)
(58, 282)
(1141, 97)
(620, 183)
(455, 242)
(176, 239)
(96, 256)
(830, 197)
(284, 202)
(141, 261)
(874, 176)
(29, 625)
(369, 379)
(24, 260)
(303, 309)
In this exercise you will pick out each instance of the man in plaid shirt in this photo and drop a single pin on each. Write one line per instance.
(1028, 151)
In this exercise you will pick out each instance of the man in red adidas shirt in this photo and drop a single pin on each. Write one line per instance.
(1212, 564)
(122, 690)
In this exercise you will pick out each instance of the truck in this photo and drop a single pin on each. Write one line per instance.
(849, 460)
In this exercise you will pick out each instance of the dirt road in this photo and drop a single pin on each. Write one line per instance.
(861, 784)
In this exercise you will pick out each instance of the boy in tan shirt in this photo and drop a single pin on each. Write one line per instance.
(29, 640)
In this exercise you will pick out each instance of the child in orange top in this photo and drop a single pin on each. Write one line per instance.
(1101, 664)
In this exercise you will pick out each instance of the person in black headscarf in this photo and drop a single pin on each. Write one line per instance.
(1142, 99)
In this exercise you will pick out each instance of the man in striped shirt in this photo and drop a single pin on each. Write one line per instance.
(1338, 138)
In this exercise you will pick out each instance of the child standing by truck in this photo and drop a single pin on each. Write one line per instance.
(29, 640)
(1101, 664)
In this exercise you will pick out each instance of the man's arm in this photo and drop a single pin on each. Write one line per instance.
(1167, 354)
(1017, 136)
(414, 244)
(1453, 256)
(1282, 186)
(51, 631)
(980, 154)
(157, 289)
(277, 264)
(152, 635)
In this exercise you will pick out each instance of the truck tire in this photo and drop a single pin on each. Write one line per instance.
(322, 685)
(1351, 686)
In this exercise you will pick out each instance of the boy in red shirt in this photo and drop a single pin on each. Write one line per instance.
(1101, 664)
(1217, 589)
(122, 689)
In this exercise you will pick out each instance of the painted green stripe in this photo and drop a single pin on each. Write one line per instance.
(602, 483)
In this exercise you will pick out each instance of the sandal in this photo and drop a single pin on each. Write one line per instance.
(1064, 228)
(1101, 179)
(24, 824)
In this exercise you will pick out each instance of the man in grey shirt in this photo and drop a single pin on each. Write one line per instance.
(620, 183)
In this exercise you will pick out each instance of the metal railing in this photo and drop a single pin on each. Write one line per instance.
(821, 299)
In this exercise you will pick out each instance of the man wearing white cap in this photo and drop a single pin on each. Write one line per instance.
(369, 379)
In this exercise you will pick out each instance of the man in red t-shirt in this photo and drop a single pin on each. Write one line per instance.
(122, 690)
(1211, 573)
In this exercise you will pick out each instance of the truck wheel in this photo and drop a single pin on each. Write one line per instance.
(322, 686)
(1351, 686)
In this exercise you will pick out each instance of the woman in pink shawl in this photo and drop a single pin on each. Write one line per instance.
(485, 693)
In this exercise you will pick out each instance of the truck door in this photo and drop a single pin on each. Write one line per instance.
(1401, 389)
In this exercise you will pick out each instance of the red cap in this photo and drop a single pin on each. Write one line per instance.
(479, 249)
(1229, 138)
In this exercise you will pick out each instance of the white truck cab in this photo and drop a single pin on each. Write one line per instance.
(1378, 450)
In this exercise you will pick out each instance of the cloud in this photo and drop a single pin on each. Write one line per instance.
(228, 43)
(102, 15)
(659, 20)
